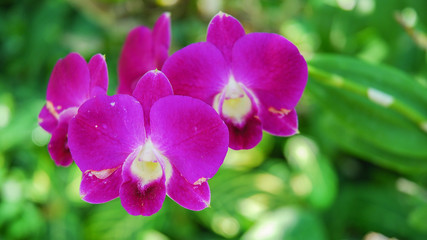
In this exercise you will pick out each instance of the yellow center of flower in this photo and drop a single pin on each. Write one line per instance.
(146, 165)
(236, 104)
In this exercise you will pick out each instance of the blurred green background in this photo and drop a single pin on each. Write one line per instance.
(357, 170)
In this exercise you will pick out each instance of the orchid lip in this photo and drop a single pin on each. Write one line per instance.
(146, 166)
(234, 102)
(150, 164)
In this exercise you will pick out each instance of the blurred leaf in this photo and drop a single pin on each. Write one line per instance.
(21, 125)
(314, 177)
(229, 186)
(418, 218)
(289, 223)
(243, 196)
(348, 139)
(381, 108)
(251, 158)
(373, 207)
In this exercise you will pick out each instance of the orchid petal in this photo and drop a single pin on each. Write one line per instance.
(150, 88)
(98, 75)
(223, 31)
(69, 83)
(191, 196)
(101, 186)
(161, 39)
(237, 107)
(280, 122)
(47, 120)
(190, 134)
(136, 59)
(198, 70)
(245, 136)
(270, 66)
(105, 131)
(138, 197)
(58, 145)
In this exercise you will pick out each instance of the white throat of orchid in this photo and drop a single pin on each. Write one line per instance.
(233, 102)
(147, 166)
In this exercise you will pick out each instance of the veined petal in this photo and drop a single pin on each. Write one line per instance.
(136, 59)
(69, 83)
(58, 145)
(198, 70)
(47, 120)
(195, 197)
(223, 31)
(150, 88)
(280, 122)
(161, 39)
(190, 134)
(101, 186)
(105, 131)
(98, 75)
(143, 190)
(272, 67)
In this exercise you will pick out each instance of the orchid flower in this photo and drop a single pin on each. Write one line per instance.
(254, 81)
(143, 50)
(145, 146)
(72, 82)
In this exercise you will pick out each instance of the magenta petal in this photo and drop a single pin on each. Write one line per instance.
(136, 59)
(246, 136)
(191, 196)
(223, 31)
(101, 186)
(198, 70)
(150, 88)
(105, 131)
(145, 200)
(161, 39)
(241, 117)
(98, 75)
(139, 198)
(69, 83)
(190, 134)
(46, 120)
(58, 145)
(281, 122)
(270, 66)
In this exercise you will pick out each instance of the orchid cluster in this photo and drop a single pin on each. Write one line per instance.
(168, 128)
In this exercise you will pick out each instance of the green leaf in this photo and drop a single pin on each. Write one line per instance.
(314, 176)
(382, 109)
(418, 218)
(346, 138)
(289, 223)
(367, 207)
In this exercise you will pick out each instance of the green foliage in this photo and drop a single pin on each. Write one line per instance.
(288, 223)
(381, 111)
(314, 177)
